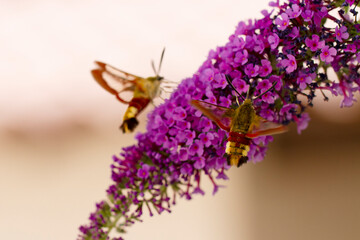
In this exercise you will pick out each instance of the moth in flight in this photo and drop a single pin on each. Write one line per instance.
(118, 83)
(242, 123)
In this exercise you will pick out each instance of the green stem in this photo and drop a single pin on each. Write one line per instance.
(113, 224)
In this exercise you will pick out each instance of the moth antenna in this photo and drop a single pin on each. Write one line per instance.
(232, 86)
(153, 66)
(266, 91)
(237, 100)
(161, 59)
(248, 93)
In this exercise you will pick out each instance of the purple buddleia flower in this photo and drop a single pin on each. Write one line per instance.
(241, 85)
(290, 63)
(205, 124)
(268, 98)
(251, 70)
(186, 169)
(303, 80)
(182, 125)
(341, 33)
(274, 4)
(198, 190)
(313, 43)
(282, 21)
(224, 101)
(273, 40)
(143, 172)
(319, 16)
(259, 44)
(294, 11)
(348, 100)
(199, 162)
(179, 113)
(346, 90)
(294, 32)
(265, 68)
(208, 75)
(267, 114)
(350, 48)
(239, 43)
(220, 81)
(307, 15)
(160, 139)
(241, 28)
(256, 153)
(277, 79)
(189, 135)
(206, 138)
(263, 85)
(222, 175)
(302, 122)
(350, 2)
(287, 111)
(327, 54)
(183, 154)
(163, 128)
(241, 57)
(197, 147)
(250, 43)
(211, 99)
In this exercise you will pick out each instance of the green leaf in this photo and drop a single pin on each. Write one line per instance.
(163, 189)
(147, 160)
(175, 187)
(278, 104)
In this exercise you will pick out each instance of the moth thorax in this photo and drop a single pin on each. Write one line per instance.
(155, 79)
(243, 118)
(152, 85)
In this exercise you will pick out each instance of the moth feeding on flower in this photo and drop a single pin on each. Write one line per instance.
(118, 82)
(242, 123)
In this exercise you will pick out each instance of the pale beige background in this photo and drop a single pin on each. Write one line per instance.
(58, 129)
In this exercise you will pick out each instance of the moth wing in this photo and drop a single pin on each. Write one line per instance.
(115, 81)
(263, 127)
(166, 88)
(220, 115)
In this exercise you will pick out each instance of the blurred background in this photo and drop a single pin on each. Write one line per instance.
(59, 129)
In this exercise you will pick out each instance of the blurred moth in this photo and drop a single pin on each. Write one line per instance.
(118, 83)
(242, 123)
